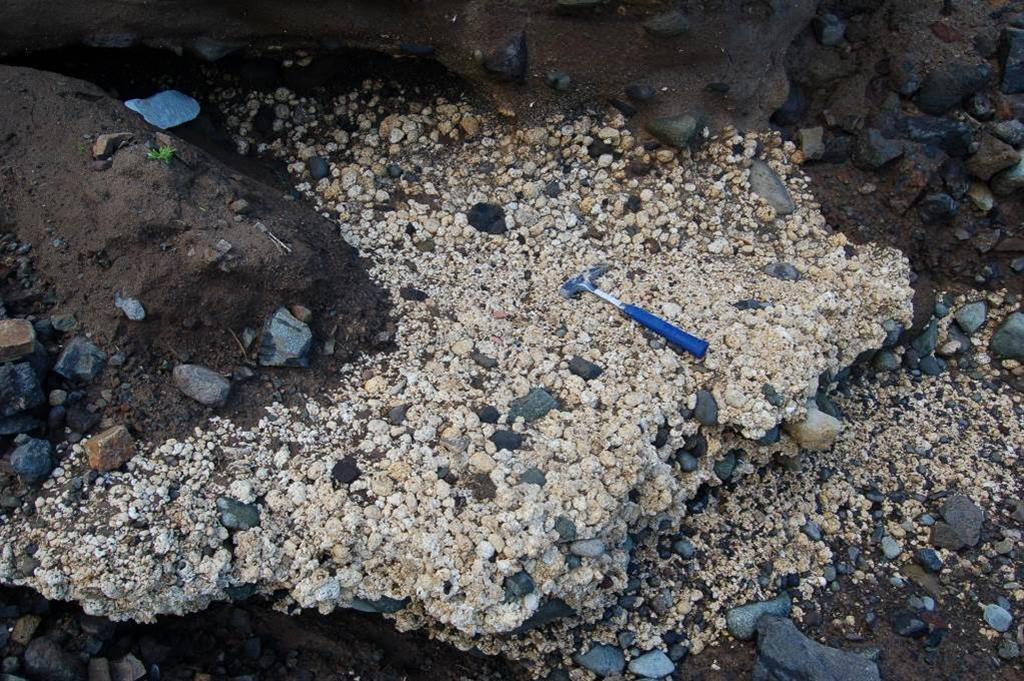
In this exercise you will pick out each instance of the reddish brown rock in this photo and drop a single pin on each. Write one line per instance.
(110, 449)
(16, 339)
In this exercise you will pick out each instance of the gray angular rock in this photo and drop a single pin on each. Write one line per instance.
(993, 155)
(948, 84)
(1011, 131)
(286, 342)
(235, 515)
(32, 460)
(19, 389)
(742, 620)
(971, 316)
(706, 410)
(652, 665)
(1008, 340)
(602, 659)
(131, 307)
(676, 131)
(770, 187)
(962, 526)
(586, 370)
(201, 384)
(81, 360)
(785, 654)
(997, 617)
(925, 343)
(872, 150)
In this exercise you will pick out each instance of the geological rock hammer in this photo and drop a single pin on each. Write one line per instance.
(673, 334)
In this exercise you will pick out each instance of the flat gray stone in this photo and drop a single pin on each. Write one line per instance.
(676, 131)
(531, 406)
(165, 109)
(785, 654)
(19, 389)
(997, 617)
(770, 187)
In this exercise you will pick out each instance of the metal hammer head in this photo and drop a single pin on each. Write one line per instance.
(583, 282)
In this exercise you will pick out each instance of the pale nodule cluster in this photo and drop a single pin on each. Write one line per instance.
(438, 514)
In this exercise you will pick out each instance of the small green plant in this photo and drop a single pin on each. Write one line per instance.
(165, 154)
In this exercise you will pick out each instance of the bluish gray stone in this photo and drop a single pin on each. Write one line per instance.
(165, 109)
(829, 29)
(32, 460)
(785, 654)
(131, 307)
(742, 620)
(518, 585)
(286, 342)
(551, 610)
(603, 660)
(507, 439)
(687, 462)
(531, 406)
(19, 423)
(235, 515)
(318, 166)
(201, 384)
(652, 665)
(706, 410)
(890, 548)
(1008, 340)
(684, 548)
(19, 389)
(81, 360)
(383, 605)
(725, 466)
(770, 187)
(587, 548)
(997, 617)
(783, 271)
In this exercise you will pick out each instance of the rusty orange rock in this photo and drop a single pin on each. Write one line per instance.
(110, 449)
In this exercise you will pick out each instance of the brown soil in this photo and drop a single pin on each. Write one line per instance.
(156, 232)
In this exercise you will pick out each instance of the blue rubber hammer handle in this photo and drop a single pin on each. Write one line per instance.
(673, 334)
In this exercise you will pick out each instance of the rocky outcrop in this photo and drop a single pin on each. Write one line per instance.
(735, 46)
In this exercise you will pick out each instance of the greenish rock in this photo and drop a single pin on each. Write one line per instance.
(725, 466)
(1009, 181)
(533, 476)
(565, 528)
(770, 394)
(676, 131)
(235, 515)
(603, 660)
(972, 316)
(886, 360)
(925, 343)
(742, 620)
(1008, 340)
(769, 186)
(931, 365)
(531, 406)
